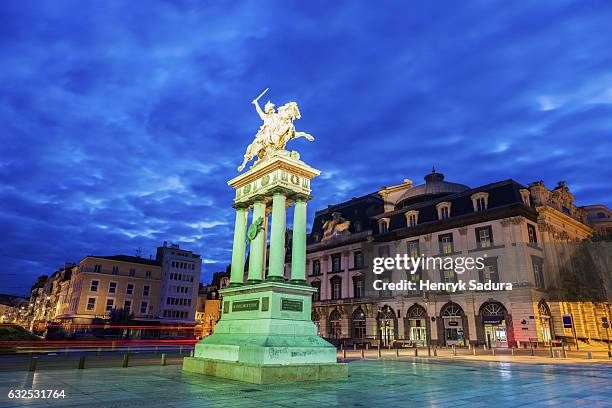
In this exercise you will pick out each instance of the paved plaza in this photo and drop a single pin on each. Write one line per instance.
(383, 383)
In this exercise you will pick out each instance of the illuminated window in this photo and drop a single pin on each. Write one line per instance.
(446, 243)
(110, 304)
(336, 262)
(531, 231)
(316, 267)
(91, 304)
(358, 258)
(336, 287)
(484, 237)
(94, 285)
(112, 287)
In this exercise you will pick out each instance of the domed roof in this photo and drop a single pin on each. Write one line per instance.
(434, 187)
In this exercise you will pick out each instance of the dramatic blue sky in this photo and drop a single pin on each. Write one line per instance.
(120, 122)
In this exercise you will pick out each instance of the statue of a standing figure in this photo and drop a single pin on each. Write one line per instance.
(277, 129)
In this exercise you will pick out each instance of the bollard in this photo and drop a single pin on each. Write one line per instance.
(368, 346)
(454, 350)
(589, 355)
(341, 346)
(550, 351)
(474, 351)
(435, 351)
(181, 350)
(354, 346)
(512, 350)
(163, 359)
(363, 352)
(33, 362)
(397, 352)
(344, 353)
(81, 362)
(469, 346)
(125, 360)
(428, 350)
(416, 352)
(492, 350)
(532, 354)
(389, 346)
(379, 354)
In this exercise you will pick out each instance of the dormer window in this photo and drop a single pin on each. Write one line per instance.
(412, 218)
(480, 201)
(383, 225)
(444, 210)
(526, 196)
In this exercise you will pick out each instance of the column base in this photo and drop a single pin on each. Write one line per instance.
(275, 279)
(235, 284)
(299, 282)
(253, 281)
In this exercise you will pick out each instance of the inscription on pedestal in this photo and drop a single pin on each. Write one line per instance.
(291, 305)
(245, 305)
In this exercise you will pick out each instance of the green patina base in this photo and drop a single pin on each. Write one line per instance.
(266, 335)
(266, 374)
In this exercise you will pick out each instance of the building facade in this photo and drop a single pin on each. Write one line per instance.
(179, 285)
(101, 284)
(523, 230)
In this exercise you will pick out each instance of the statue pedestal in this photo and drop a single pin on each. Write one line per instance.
(266, 336)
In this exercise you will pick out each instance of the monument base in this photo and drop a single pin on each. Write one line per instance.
(266, 374)
(266, 335)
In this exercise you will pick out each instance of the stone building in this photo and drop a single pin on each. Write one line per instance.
(523, 230)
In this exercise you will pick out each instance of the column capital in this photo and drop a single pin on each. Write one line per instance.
(301, 197)
(240, 206)
(259, 199)
(281, 190)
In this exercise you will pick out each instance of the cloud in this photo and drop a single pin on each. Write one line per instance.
(121, 125)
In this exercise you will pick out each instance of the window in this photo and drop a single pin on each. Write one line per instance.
(317, 295)
(91, 304)
(127, 306)
(413, 248)
(97, 268)
(145, 290)
(148, 274)
(316, 267)
(112, 287)
(446, 243)
(538, 274)
(94, 286)
(115, 270)
(443, 210)
(358, 258)
(132, 272)
(358, 287)
(143, 307)
(531, 231)
(110, 304)
(448, 276)
(484, 237)
(336, 262)
(489, 273)
(383, 225)
(336, 287)
(359, 324)
(173, 264)
(480, 201)
(412, 218)
(129, 290)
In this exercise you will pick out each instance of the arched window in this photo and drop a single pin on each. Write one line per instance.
(545, 321)
(451, 310)
(416, 327)
(359, 324)
(387, 323)
(358, 286)
(335, 329)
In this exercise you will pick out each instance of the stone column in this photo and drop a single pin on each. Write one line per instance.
(239, 247)
(298, 250)
(258, 244)
(277, 239)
